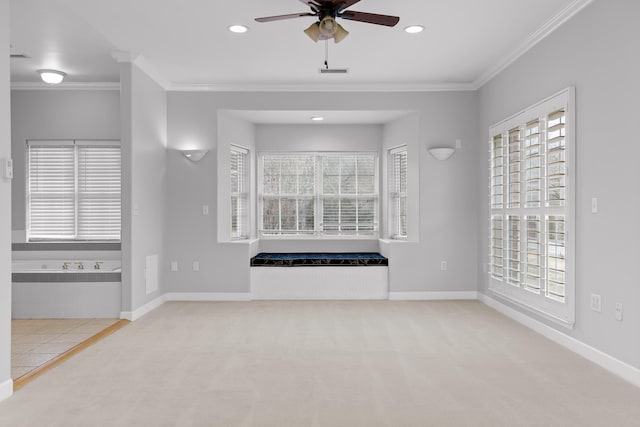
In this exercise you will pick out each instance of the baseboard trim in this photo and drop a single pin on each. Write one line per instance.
(610, 363)
(433, 296)
(145, 309)
(208, 296)
(6, 389)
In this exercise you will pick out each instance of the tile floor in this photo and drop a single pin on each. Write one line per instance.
(34, 342)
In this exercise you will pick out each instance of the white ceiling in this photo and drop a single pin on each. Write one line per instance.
(186, 45)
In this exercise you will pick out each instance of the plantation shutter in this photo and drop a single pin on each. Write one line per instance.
(532, 255)
(51, 190)
(239, 193)
(398, 192)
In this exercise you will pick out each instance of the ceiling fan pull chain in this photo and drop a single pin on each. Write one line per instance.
(326, 54)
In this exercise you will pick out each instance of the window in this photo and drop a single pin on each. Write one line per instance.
(318, 194)
(239, 193)
(73, 190)
(531, 256)
(398, 192)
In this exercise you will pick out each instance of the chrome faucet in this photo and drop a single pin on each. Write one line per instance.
(98, 265)
(65, 265)
(80, 265)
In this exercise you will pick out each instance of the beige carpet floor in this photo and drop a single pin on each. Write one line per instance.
(318, 363)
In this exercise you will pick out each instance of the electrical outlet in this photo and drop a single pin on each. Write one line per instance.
(205, 209)
(174, 265)
(594, 205)
(196, 266)
(596, 303)
(443, 265)
(619, 311)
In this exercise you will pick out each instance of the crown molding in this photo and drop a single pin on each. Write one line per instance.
(143, 64)
(320, 87)
(65, 86)
(540, 34)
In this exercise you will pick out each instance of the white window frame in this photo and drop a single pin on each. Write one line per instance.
(396, 195)
(318, 197)
(242, 195)
(509, 257)
(77, 193)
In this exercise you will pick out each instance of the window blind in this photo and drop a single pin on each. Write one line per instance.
(239, 193)
(51, 194)
(288, 191)
(398, 192)
(349, 194)
(313, 194)
(73, 190)
(99, 199)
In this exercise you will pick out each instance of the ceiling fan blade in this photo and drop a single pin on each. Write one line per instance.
(314, 4)
(370, 18)
(347, 4)
(281, 17)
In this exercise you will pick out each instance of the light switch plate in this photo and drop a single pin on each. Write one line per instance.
(7, 168)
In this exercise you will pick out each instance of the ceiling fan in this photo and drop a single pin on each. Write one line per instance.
(327, 11)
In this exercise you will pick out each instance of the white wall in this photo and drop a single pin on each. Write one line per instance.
(597, 52)
(6, 385)
(144, 138)
(56, 114)
(448, 194)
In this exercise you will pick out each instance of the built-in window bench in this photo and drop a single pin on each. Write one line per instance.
(303, 275)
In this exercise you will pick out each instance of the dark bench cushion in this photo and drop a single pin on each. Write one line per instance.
(307, 259)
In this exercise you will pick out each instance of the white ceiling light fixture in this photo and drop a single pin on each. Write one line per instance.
(317, 119)
(238, 29)
(52, 77)
(414, 29)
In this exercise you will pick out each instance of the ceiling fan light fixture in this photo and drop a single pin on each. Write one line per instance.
(313, 31)
(52, 77)
(340, 34)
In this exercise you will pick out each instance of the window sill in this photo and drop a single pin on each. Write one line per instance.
(66, 246)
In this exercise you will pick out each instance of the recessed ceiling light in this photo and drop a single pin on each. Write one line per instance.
(414, 29)
(238, 29)
(317, 119)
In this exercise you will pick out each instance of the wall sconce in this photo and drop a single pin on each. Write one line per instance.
(194, 155)
(441, 153)
(52, 77)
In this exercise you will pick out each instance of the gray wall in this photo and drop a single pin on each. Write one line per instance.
(57, 114)
(5, 209)
(448, 194)
(597, 52)
(143, 112)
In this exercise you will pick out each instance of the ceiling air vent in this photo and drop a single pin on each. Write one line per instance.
(19, 56)
(334, 70)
